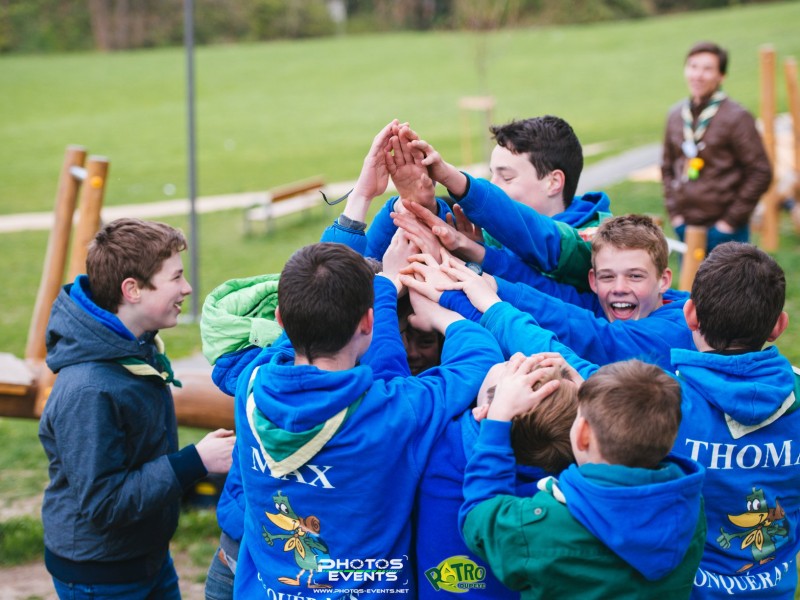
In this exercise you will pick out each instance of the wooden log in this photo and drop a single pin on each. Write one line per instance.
(696, 238)
(56, 256)
(200, 403)
(89, 207)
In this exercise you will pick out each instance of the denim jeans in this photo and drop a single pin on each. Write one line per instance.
(219, 582)
(163, 586)
(716, 237)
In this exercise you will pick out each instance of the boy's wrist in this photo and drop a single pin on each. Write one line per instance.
(456, 182)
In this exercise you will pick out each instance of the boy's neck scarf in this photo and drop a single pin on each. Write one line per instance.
(142, 368)
(286, 451)
(693, 135)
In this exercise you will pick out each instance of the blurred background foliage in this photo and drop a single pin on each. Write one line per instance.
(28, 26)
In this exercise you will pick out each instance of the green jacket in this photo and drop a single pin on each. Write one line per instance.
(240, 313)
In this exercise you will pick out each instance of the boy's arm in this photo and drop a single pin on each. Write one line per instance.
(490, 517)
(386, 354)
(599, 341)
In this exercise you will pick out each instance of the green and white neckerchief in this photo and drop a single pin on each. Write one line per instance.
(550, 485)
(286, 451)
(142, 368)
(692, 136)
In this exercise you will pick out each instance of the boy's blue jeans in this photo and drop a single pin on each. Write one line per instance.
(163, 586)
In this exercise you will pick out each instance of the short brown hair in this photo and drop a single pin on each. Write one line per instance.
(633, 232)
(125, 248)
(739, 293)
(540, 437)
(634, 410)
(324, 291)
(710, 48)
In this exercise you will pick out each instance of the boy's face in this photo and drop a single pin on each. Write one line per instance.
(423, 349)
(159, 307)
(702, 74)
(517, 177)
(627, 283)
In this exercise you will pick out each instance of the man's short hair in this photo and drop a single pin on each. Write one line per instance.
(739, 292)
(710, 48)
(633, 232)
(540, 437)
(324, 291)
(125, 248)
(550, 144)
(634, 410)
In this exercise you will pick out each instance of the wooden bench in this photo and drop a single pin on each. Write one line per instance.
(303, 194)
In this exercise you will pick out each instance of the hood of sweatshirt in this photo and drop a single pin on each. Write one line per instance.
(80, 331)
(749, 399)
(584, 209)
(294, 410)
(647, 517)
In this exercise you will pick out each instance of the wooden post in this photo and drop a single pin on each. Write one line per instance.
(793, 95)
(769, 228)
(485, 106)
(91, 202)
(88, 213)
(56, 257)
(696, 239)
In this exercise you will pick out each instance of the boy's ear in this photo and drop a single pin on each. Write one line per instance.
(690, 313)
(780, 326)
(555, 185)
(367, 322)
(131, 292)
(278, 319)
(583, 434)
(592, 280)
(665, 281)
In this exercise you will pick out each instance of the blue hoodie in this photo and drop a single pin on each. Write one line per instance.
(600, 531)
(444, 562)
(740, 422)
(330, 461)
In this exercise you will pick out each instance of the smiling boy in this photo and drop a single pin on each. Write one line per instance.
(109, 427)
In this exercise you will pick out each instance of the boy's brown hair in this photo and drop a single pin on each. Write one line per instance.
(738, 292)
(633, 232)
(125, 248)
(540, 437)
(324, 291)
(634, 410)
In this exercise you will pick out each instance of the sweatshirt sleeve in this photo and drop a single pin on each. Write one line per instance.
(490, 517)
(386, 354)
(533, 237)
(352, 238)
(517, 331)
(517, 293)
(439, 394)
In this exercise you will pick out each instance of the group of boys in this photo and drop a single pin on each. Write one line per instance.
(582, 430)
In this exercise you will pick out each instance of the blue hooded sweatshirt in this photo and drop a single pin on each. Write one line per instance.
(330, 461)
(740, 422)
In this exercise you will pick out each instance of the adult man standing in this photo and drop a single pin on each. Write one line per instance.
(714, 168)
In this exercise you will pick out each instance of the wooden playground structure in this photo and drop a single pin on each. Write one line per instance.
(25, 384)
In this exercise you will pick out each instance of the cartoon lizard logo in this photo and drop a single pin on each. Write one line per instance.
(760, 527)
(304, 540)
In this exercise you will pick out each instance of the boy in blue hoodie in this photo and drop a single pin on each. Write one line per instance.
(540, 439)
(740, 421)
(109, 428)
(330, 450)
(626, 521)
